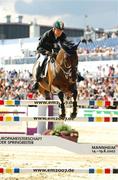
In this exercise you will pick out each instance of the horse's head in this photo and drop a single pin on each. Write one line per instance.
(67, 56)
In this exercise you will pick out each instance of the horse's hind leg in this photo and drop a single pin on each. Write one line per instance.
(74, 113)
(61, 97)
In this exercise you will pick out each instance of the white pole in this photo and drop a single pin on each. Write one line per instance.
(42, 111)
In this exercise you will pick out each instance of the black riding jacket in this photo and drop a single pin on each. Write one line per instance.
(49, 42)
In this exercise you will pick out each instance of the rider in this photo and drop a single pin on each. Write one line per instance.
(51, 40)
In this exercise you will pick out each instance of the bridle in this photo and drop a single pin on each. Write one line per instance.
(66, 69)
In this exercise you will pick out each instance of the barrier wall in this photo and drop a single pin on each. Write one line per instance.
(48, 111)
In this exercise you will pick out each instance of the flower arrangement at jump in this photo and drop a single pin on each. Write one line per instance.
(63, 131)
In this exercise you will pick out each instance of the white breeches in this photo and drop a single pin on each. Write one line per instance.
(41, 59)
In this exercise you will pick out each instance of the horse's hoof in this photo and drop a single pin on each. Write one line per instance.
(73, 115)
(62, 116)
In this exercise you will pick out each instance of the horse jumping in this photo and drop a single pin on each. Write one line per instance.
(59, 78)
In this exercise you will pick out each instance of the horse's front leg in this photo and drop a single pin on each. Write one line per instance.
(61, 97)
(74, 113)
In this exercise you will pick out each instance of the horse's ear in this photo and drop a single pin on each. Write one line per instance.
(78, 43)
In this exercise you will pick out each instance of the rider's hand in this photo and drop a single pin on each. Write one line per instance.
(47, 53)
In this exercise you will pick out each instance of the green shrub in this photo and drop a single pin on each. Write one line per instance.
(61, 128)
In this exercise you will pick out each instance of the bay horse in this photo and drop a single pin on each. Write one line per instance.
(59, 78)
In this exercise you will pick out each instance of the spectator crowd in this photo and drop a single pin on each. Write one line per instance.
(104, 85)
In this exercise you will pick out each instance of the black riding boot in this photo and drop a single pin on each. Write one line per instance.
(43, 66)
(40, 70)
(38, 78)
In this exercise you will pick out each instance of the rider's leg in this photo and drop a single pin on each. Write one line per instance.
(43, 65)
(41, 70)
(38, 74)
